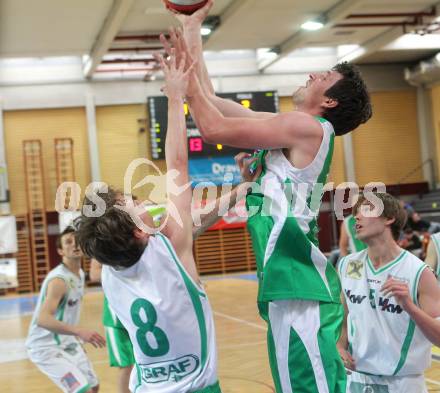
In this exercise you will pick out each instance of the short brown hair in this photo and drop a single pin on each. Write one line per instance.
(354, 103)
(391, 209)
(66, 231)
(109, 238)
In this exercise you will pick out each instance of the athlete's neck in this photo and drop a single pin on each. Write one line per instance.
(73, 264)
(382, 251)
(315, 111)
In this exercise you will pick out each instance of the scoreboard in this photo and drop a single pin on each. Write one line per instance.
(266, 101)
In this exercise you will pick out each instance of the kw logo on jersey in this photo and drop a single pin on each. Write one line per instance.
(354, 269)
(384, 304)
(355, 299)
(171, 370)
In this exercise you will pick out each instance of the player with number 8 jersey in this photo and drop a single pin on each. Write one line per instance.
(150, 278)
(169, 319)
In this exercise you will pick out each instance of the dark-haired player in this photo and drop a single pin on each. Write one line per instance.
(298, 289)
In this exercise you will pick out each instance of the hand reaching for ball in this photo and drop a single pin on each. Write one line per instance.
(176, 77)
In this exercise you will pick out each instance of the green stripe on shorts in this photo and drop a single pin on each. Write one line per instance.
(302, 377)
(120, 349)
(306, 362)
(331, 317)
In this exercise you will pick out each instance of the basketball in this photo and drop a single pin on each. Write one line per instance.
(187, 7)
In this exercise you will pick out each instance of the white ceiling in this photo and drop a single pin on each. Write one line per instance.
(45, 28)
(49, 27)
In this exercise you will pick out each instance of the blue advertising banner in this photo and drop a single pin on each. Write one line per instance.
(217, 170)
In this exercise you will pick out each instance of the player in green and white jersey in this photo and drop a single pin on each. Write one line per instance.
(392, 303)
(150, 278)
(54, 341)
(298, 290)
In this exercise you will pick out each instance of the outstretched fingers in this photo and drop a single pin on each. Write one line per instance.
(162, 62)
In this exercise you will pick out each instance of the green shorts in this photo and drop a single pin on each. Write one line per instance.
(302, 337)
(119, 347)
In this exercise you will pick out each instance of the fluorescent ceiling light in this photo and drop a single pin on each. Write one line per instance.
(204, 31)
(312, 25)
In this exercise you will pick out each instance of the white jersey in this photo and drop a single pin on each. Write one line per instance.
(383, 339)
(68, 311)
(168, 318)
(435, 237)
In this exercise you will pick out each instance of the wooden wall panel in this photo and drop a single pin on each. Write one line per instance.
(224, 251)
(388, 147)
(435, 98)
(45, 125)
(120, 142)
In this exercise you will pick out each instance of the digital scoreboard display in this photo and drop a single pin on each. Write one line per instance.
(266, 101)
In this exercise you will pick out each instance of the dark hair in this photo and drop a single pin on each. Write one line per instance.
(354, 105)
(66, 231)
(391, 209)
(109, 238)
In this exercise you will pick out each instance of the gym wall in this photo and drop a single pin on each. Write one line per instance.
(45, 125)
(387, 148)
(435, 98)
(378, 146)
(120, 142)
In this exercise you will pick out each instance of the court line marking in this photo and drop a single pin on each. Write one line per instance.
(432, 381)
(226, 316)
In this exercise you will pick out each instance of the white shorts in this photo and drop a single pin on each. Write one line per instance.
(361, 383)
(69, 368)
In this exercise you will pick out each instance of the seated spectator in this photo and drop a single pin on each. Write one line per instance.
(407, 207)
(416, 223)
(411, 242)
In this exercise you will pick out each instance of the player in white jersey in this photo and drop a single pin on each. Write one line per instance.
(433, 254)
(392, 303)
(54, 342)
(150, 279)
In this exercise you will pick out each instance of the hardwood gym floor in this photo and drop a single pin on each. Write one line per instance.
(241, 335)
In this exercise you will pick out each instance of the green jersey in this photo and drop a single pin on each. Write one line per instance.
(282, 222)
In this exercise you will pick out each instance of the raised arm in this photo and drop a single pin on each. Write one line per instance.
(55, 293)
(243, 161)
(192, 25)
(179, 224)
(280, 131)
